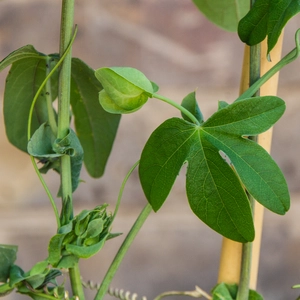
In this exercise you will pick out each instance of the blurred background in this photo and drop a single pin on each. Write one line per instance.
(175, 46)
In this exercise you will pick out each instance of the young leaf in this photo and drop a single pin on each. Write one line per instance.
(96, 129)
(190, 103)
(23, 80)
(125, 89)
(225, 14)
(44, 145)
(267, 18)
(214, 188)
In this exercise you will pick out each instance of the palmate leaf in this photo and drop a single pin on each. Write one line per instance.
(214, 190)
(267, 18)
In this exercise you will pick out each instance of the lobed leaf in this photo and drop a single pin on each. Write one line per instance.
(215, 187)
(212, 187)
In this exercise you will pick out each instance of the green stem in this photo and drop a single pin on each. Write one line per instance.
(122, 189)
(67, 21)
(243, 291)
(64, 86)
(178, 106)
(290, 57)
(49, 74)
(75, 279)
(48, 94)
(122, 251)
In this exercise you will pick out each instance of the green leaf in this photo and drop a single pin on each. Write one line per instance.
(253, 295)
(267, 18)
(86, 251)
(54, 249)
(190, 103)
(125, 89)
(27, 51)
(215, 188)
(5, 289)
(8, 255)
(259, 173)
(225, 14)
(212, 186)
(224, 291)
(96, 129)
(16, 275)
(39, 268)
(24, 78)
(70, 145)
(221, 292)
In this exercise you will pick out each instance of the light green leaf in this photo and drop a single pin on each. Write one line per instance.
(86, 251)
(27, 51)
(225, 14)
(96, 129)
(267, 18)
(38, 268)
(8, 255)
(126, 89)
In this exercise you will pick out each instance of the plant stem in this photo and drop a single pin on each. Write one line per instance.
(178, 106)
(64, 85)
(122, 251)
(67, 19)
(48, 95)
(243, 291)
(290, 57)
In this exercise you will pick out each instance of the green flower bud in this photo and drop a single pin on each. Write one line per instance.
(125, 89)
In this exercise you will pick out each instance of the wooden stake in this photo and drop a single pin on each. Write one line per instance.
(231, 253)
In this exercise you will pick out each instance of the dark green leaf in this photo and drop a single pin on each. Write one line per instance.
(16, 275)
(125, 89)
(267, 18)
(8, 255)
(259, 173)
(225, 14)
(96, 129)
(24, 78)
(214, 188)
(190, 103)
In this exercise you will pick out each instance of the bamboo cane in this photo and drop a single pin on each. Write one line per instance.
(231, 253)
